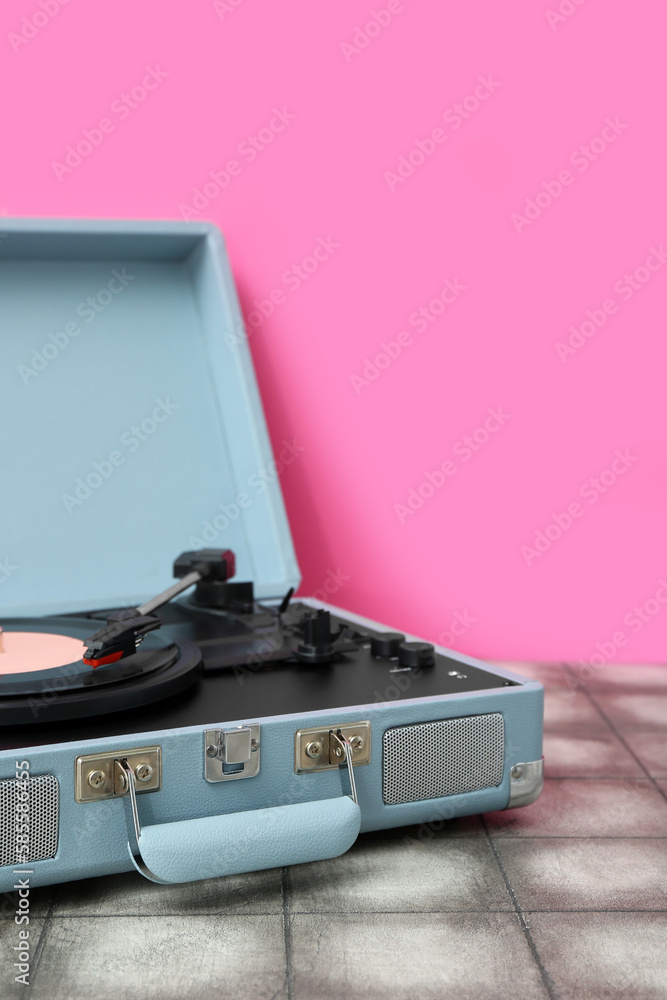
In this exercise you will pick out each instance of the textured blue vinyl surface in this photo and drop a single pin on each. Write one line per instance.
(249, 841)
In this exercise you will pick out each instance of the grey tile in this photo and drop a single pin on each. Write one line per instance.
(159, 958)
(568, 710)
(9, 940)
(651, 748)
(413, 957)
(409, 870)
(131, 894)
(587, 808)
(603, 956)
(587, 874)
(614, 678)
(635, 711)
(596, 754)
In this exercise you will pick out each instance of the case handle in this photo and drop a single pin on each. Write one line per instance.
(194, 849)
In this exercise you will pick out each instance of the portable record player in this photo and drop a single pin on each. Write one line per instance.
(215, 724)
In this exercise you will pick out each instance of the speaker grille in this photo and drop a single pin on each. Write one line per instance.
(433, 759)
(42, 819)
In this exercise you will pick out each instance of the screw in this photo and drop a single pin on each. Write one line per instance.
(211, 751)
(517, 771)
(96, 779)
(314, 748)
(144, 772)
(254, 744)
(357, 743)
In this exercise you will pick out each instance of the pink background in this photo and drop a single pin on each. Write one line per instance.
(220, 71)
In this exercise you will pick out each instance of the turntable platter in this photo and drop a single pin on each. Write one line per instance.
(43, 677)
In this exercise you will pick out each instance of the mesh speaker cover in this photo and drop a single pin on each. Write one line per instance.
(432, 759)
(42, 819)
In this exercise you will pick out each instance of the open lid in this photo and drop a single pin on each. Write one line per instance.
(131, 426)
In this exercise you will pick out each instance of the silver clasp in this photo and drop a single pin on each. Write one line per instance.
(231, 753)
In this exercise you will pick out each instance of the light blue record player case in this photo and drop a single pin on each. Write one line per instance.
(132, 429)
(132, 425)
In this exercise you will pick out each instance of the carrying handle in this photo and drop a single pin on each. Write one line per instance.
(194, 849)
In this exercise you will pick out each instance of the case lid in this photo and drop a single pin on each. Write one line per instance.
(131, 423)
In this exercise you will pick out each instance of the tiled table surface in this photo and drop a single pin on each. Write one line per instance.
(566, 898)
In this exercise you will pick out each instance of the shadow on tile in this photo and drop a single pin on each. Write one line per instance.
(587, 808)
(9, 939)
(39, 901)
(587, 874)
(405, 872)
(131, 894)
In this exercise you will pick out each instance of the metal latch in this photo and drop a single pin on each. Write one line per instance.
(231, 753)
(315, 750)
(99, 775)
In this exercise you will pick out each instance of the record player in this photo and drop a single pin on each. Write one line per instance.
(213, 723)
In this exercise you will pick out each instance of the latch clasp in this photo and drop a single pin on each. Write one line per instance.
(231, 753)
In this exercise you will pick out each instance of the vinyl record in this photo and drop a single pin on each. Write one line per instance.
(41, 681)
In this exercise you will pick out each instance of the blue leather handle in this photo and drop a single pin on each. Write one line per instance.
(195, 849)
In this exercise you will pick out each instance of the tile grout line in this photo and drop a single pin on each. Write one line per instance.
(324, 913)
(588, 694)
(287, 933)
(546, 978)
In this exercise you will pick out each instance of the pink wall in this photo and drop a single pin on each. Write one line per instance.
(500, 167)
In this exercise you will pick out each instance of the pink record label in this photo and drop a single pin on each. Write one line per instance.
(23, 652)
